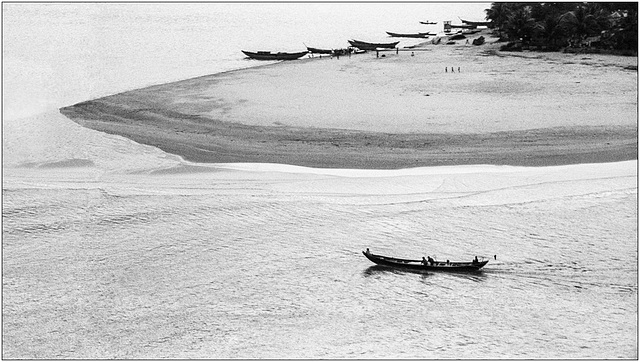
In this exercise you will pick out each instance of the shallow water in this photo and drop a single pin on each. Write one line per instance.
(167, 259)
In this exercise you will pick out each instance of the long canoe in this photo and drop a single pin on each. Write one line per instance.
(429, 22)
(477, 23)
(409, 35)
(372, 46)
(320, 51)
(463, 26)
(274, 56)
(427, 265)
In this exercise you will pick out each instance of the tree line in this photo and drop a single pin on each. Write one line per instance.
(553, 26)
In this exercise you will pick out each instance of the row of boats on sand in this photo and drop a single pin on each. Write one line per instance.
(355, 44)
(358, 46)
(470, 27)
(361, 46)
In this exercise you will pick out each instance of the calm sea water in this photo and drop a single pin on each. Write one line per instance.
(113, 249)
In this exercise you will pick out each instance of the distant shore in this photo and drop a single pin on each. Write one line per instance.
(391, 111)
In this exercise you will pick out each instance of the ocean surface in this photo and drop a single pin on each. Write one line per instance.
(113, 249)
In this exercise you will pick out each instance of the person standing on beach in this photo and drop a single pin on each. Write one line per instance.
(445, 70)
(458, 69)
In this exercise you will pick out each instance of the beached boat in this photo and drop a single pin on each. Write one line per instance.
(409, 35)
(476, 23)
(427, 265)
(319, 51)
(261, 55)
(478, 41)
(338, 52)
(463, 26)
(457, 37)
(372, 46)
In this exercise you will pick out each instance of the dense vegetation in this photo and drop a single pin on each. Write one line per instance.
(553, 26)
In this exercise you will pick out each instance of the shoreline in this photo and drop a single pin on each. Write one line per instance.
(221, 142)
(365, 112)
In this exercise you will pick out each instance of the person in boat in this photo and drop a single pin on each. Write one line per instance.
(475, 260)
(424, 261)
(368, 252)
(430, 260)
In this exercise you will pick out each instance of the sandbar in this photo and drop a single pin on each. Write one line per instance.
(390, 110)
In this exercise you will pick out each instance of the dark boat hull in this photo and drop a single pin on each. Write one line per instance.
(372, 46)
(463, 26)
(274, 56)
(417, 265)
(478, 41)
(320, 51)
(477, 23)
(415, 35)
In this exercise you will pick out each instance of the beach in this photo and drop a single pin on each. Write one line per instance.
(390, 110)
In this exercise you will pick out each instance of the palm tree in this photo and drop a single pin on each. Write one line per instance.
(579, 23)
(499, 14)
(555, 23)
(520, 24)
(625, 30)
(549, 31)
(600, 16)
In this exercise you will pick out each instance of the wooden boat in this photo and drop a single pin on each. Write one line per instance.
(427, 265)
(457, 37)
(463, 26)
(319, 51)
(274, 56)
(429, 22)
(410, 35)
(372, 46)
(477, 23)
(478, 41)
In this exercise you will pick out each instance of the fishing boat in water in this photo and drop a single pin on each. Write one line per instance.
(372, 46)
(409, 35)
(427, 264)
(262, 55)
(429, 22)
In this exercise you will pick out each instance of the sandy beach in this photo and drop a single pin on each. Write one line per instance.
(391, 111)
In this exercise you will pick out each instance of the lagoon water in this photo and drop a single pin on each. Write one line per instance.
(112, 249)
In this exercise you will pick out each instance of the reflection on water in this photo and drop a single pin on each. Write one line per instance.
(379, 269)
(376, 270)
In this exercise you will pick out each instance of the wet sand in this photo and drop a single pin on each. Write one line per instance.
(396, 111)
